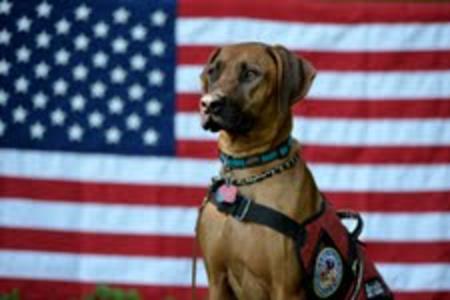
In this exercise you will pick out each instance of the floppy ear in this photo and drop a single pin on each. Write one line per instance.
(294, 76)
(204, 75)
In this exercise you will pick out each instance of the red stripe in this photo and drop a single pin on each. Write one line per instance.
(46, 289)
(338, 154)
(319, 11)
(373, 109)
(105, 193)
(345, 61)
(119, 244)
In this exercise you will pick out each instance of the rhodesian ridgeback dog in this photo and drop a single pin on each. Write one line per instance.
(248, 92)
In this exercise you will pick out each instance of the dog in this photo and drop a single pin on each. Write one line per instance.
(264, 228)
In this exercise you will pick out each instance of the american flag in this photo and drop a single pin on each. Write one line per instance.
(103, 162)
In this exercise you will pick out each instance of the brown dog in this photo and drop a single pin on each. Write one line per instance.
(248, 93)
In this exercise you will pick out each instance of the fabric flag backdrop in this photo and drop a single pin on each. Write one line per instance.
(103, 162)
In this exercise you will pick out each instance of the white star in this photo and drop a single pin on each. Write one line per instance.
(41, 70)
(118, 75)
(80, 72)
(4, 67)
(150, 137)
(62, 26)
(5, 7)
(37, 131)
(60, 87)
(153, 107)
(113, 135)
(133, 121)
(81, 42)
(40, 100)
(23, 24)
(75, 133)
(21, 85)
(23, 54)
(82, 12)
(156, 77)
(4, 96)
(119, 45)
(136, 92)
(95, 119)
(58, 117)
(98, 89)
(159, 18)
(2, 128)
(121, 16)
(138, 62)
(43, 40)
(19, 114)
(157, 47)
(44, 9)
(5, 37)
(78, 102)
(115, 105)
(138, 32)
(62, 57)
(101, 29)
(100, 59)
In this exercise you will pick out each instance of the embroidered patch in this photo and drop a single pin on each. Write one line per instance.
(374, 288)
(328, 272)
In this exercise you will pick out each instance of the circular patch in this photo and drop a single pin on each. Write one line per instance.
(328, 273)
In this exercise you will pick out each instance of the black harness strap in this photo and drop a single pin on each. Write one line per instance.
(246, 210)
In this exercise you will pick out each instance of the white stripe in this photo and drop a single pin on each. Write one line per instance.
(180, 221)
(178, 172)
(352, 85)
(317, 37)
(343, 132)
(177, 271)
(416, 277)
(98, 268)
(90, 217)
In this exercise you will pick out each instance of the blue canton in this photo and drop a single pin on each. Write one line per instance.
(94, 76)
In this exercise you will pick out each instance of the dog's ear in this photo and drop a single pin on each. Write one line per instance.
(294, 75)
(204, 74)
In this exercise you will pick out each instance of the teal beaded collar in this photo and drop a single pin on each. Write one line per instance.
(281, 151)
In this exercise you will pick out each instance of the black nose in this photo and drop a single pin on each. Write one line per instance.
(217, 105)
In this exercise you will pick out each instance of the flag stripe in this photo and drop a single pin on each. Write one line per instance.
(338, 37)
(339, 108)
(176, 271)
(168, 246)
(352, 85)
(338, 154)
(176, 172)
(344, 61)
(110, 193)
(344, 132)
(156, 220)
(321, 11)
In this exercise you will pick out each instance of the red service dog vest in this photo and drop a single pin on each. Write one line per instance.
(334, 261)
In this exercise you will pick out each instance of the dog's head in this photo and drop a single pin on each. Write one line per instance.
(248, 85)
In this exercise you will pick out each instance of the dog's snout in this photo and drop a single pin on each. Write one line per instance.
(217, 105)
(213, 104)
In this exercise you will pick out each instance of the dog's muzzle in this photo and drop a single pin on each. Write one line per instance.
(219, 112)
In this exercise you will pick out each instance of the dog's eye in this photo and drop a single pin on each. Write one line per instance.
(249, 75)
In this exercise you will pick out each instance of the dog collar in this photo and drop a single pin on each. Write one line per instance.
(281, 151)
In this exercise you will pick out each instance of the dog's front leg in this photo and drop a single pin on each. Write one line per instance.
(219, 288)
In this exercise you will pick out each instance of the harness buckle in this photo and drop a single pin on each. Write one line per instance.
(242, 209)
